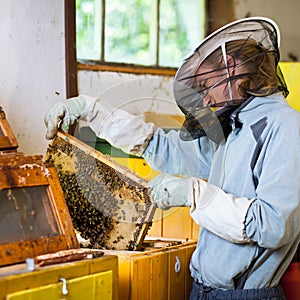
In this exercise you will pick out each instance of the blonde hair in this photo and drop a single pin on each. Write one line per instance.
(260, 77)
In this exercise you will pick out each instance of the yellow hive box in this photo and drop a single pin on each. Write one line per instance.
(159, 273)
(93, 279)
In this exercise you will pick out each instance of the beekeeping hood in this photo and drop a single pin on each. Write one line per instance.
(199, 120)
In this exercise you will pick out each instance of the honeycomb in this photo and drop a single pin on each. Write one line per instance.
(108, 203)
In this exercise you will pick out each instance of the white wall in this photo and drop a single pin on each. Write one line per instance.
(32, 62)
(137, 94)
(284, 13)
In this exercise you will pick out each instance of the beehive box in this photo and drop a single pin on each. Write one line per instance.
(108, 203)
(34, 219)
(159, 272)
(95, 278)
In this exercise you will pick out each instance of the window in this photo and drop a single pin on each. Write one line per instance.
(151, 33)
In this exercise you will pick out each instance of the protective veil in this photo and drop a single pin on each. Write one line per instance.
(205, 121)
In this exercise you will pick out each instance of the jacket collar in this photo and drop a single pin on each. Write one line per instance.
(241, 115)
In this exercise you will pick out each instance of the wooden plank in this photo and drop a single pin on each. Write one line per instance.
(177, 269)
(159, 276)
(177, 223)
(94, 287)
(8, 140)
(124, 271)
(140, 278)
(126, 68)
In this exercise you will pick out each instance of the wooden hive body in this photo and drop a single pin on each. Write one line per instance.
(34, 215)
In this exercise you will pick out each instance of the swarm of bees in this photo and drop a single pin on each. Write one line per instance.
(108, 209)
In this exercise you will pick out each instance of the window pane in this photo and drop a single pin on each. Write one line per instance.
(88, 29)
(182, 27)
(25, 214)
(131, 30)
(127, 32)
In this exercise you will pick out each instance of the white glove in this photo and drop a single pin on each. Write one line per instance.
(63, 114)
(168, 191)
(120, 128)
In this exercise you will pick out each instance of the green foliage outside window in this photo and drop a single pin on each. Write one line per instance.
(132, 34)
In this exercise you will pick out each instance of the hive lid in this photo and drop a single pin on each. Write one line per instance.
(34, 219)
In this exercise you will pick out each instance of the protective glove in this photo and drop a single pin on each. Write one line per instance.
(63, 114)
(169, 191)
(121, 129)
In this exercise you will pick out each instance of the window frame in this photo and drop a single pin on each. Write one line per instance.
(101, 65)
(215, 18)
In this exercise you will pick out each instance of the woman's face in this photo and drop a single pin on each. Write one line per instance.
(217, 89)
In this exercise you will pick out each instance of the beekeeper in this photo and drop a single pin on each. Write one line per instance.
(235, 161)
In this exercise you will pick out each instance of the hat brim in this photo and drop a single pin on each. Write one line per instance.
(260, 29)
(252, 27)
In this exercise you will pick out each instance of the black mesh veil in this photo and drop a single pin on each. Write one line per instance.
(201, 120)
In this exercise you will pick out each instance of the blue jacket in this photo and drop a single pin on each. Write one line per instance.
(258, 166)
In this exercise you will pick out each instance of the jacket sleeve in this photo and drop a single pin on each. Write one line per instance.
(219, 212)
(167, 153)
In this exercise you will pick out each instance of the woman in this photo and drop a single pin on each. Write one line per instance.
(237, 154)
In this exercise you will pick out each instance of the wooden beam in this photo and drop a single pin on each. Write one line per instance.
(70, 49)
(219, 12)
